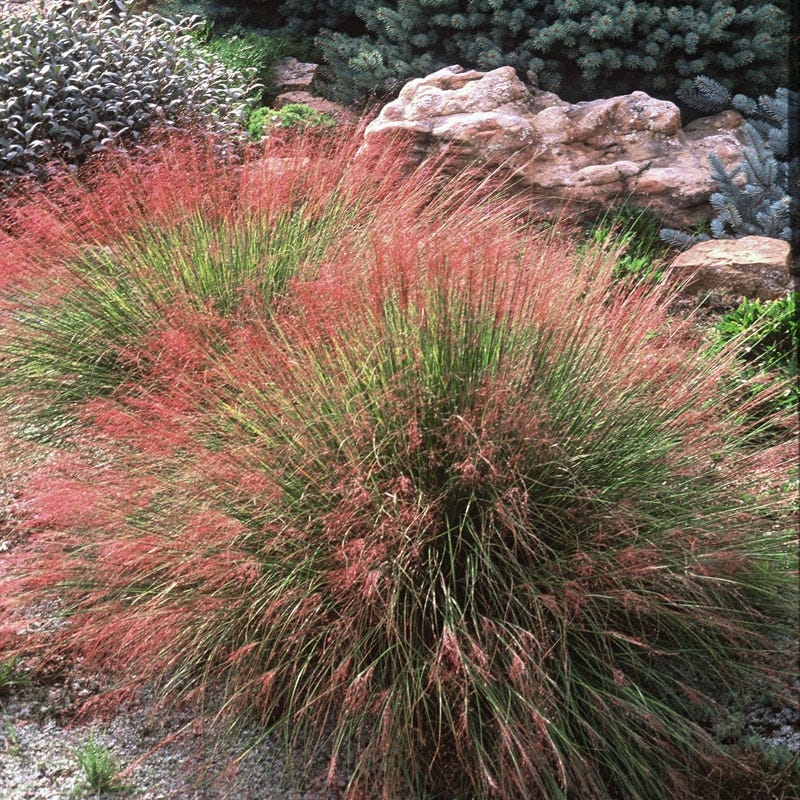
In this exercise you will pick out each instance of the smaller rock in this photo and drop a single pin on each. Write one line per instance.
(291, 75)
(340, 113)
(753, 267)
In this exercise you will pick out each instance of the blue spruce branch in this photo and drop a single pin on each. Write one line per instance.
(753, 198)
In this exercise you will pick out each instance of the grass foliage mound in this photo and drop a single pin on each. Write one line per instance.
(362, 456)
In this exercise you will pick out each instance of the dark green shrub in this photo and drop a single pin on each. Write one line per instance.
(229, 14)
(581, 48)
(313, 15)
(72, 82)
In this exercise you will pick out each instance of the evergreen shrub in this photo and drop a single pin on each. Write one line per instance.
(755, 197)
(453, 505)
(582, 49)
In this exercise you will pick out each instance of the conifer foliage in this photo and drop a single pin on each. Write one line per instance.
(581, 49)
(447, 501)
(755, 198)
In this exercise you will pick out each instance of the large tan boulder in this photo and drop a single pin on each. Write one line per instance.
(753, 267)
(628, 148)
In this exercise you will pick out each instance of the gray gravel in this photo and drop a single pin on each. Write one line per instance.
(38, 748)
(776, 726)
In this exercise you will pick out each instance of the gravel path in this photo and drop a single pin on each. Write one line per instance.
(162, 755)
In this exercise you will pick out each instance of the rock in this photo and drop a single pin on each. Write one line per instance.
(753, 267)
(291, 75)
(631, 148)
(341, 114)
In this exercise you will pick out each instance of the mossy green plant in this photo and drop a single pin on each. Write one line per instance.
(293, 116)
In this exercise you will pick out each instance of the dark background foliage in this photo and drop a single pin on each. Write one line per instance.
(579, 48)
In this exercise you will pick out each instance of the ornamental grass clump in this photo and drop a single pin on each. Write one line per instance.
(463, 512)
(96, 274)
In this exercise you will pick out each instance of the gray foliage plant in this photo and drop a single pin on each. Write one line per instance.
(73, 81)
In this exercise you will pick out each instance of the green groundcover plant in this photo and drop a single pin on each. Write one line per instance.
(766, 335)
(768, 332)
(453, 504)
(293, 115)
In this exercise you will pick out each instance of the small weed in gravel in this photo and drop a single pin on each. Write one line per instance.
(100, 770)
